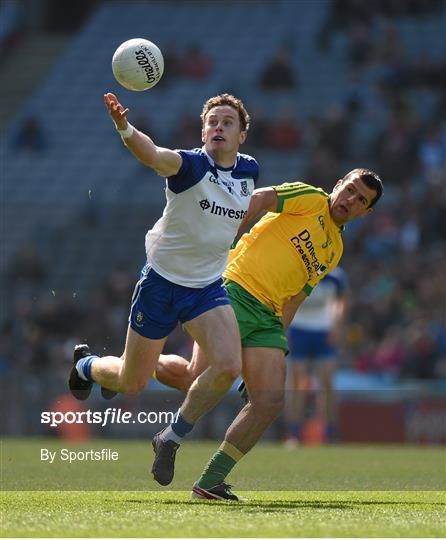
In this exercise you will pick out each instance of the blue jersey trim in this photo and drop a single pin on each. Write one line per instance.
(246, 167)
(194, 166)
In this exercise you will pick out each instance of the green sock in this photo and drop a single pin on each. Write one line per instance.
(220, 465)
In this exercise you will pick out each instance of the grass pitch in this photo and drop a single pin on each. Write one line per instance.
(410, 503)
(265, 514)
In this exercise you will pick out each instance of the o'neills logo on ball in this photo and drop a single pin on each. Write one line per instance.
(147, 61)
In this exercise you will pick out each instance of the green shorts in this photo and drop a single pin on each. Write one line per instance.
(259, 325)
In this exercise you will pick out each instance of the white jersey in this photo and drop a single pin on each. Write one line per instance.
(189, 244)
(317, 312)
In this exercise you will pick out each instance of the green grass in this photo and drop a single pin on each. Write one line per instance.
(347, 491)
(265, 514)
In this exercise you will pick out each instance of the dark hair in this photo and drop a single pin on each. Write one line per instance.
(371, 180)
(227, 99)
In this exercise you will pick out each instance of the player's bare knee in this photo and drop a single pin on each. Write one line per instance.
(276, 405)
(191, 374)
(225, 375)
(188, 379)
(229, 366)
(231, 371)
(268, 404)
(132, 389)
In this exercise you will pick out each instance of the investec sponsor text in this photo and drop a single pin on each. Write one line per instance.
(222, 210)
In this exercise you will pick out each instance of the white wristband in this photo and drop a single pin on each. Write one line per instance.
(127, 132)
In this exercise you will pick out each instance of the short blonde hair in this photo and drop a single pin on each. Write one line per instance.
(231, 101)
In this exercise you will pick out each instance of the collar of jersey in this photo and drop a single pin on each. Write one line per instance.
(216, 166)
(342, 227)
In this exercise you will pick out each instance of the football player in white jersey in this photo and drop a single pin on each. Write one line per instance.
(208, 190)
(313, 335)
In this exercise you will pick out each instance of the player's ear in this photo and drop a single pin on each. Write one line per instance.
(338, 183)
(242, 137)
(202, 135)
(365, 212)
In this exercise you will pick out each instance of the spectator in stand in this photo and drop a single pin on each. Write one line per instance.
(346, 13)
(389, 354)
(31, 136)
(11, 28)
(27, 268)
(195, 63)
(343, 14)
(361, 44)
(335, 131)
(421, 350)
(390, 46)
(258, 136)
(322, 161)
(171, 63)
(279, 74)
(283, 133)
(187, 131)
(395, 148)
(432, 151)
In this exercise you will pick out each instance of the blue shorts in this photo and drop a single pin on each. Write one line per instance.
(158, 304)
(309, 344)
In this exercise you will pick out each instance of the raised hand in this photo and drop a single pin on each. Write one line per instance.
(116, 110)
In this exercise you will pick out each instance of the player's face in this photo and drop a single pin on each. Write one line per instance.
(350, 199)
(221, 133)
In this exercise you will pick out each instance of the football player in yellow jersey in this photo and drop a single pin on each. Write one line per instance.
(271, 271)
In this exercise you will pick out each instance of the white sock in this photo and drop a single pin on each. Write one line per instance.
(169, 435)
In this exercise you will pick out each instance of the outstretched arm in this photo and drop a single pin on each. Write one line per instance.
(262, 200)
(164, 161)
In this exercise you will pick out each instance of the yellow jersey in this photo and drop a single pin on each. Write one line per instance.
(288, 250)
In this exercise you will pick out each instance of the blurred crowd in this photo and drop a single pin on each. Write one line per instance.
(45, 324)
(395, 260)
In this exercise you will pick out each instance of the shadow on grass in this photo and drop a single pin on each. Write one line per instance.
(283, 506)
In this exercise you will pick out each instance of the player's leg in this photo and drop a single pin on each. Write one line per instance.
(264, 348)
(151, 321)
(210, 320)
(326, 369)
(130, 373)
(295, 399)
(127, 374)
(216, 332)
(264, 374)
(176, 372)
(324, 361)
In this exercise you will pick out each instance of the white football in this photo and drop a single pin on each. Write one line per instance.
(138, 64)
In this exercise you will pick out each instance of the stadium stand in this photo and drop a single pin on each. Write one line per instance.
(84, 199)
